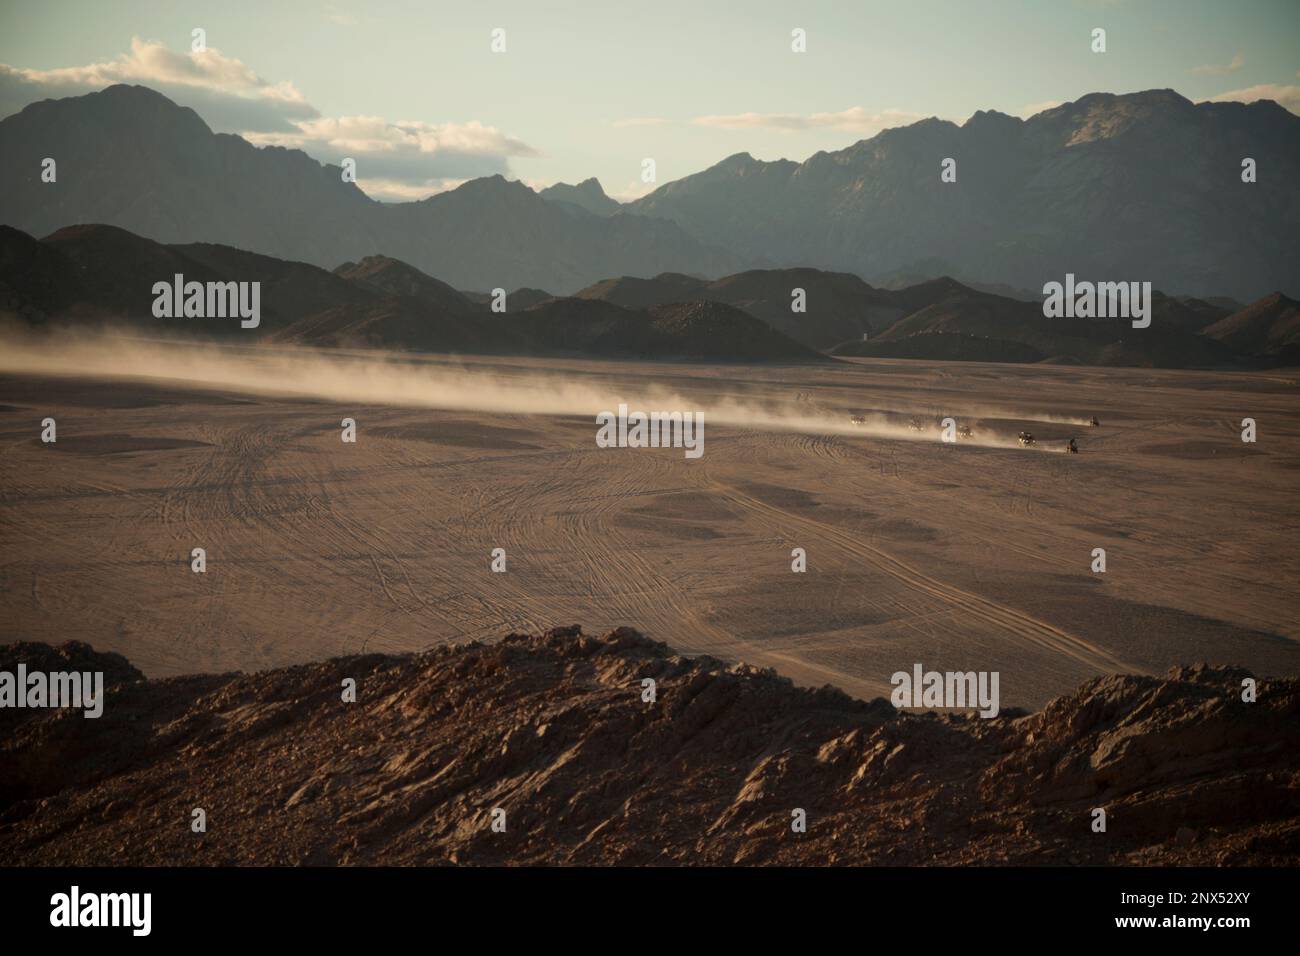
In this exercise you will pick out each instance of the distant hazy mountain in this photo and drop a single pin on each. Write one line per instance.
(587, 195)
(129, 157)
(1145, 186)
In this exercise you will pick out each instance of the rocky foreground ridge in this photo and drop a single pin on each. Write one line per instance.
(553, 729)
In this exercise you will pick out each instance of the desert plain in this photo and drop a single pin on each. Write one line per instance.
(969, 555)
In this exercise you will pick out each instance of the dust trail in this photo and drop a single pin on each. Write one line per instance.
(994, 413)
(428, 382)
(1031, 416)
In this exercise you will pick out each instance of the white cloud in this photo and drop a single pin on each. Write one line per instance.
(395, 159)
(1286, 95)
(1220, 69)
(374, 134)
(151, 62)
(407, 158)
(634, 189)
(223, 90)
(855, 119)
(396, 190)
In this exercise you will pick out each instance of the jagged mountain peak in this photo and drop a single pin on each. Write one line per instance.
(588, 195)
(1080, 186)
(1031, 199)
(175, 181)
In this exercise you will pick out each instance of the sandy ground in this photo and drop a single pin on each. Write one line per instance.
(955, 556)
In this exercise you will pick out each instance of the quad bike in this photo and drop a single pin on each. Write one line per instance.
(857, 420)
(1093, 423)
(1026, 439)
(915, 425)
(963, 431)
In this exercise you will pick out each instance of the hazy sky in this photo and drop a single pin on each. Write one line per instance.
(413, 91)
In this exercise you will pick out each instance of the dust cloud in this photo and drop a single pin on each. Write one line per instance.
(428, 382)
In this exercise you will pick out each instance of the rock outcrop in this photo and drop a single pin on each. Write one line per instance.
(557, 731)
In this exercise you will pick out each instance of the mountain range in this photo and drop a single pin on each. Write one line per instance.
(1144, 186)
(129, 157)
(587, 195)
(103, 275)
(98, 275)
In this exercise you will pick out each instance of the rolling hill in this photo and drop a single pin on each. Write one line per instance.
(838, 306)
(951, 321)
(1269, 326)
(104, 276)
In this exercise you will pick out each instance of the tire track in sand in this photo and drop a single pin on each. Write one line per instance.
(1023, 626)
